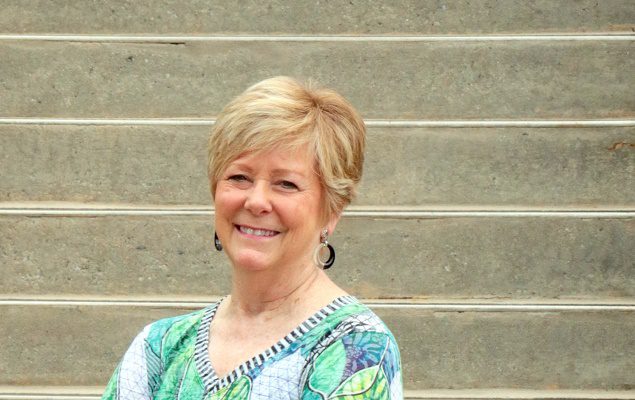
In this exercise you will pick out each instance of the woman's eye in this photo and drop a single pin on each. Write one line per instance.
(288, 185)
(238, 178)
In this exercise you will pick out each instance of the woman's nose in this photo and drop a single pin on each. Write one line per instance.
(258, 200)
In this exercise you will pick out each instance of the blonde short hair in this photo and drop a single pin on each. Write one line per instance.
(281, 111)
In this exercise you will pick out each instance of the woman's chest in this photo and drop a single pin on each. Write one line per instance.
(230, 348)
(279, 377)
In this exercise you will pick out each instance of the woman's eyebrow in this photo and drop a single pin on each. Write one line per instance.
(280, 171)
(240, 165)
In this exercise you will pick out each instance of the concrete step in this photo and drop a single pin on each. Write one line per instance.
(423, 80)
(309, 17)
(94, 393)
(404, 166)
(80, 346)
(376, 257)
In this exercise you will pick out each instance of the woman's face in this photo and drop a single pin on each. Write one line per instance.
(269, 210)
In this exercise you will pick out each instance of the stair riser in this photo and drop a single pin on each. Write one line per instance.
(426, 80)
(445, 257)
(80, 345)
(308, 17)
(404, 166)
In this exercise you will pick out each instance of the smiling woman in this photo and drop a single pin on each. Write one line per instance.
(284, 160)
(268, 210)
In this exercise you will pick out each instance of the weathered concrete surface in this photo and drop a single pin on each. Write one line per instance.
(434, 80)
(404, 166)
(517, 350)
(80, 345)
(500, 166)
(151, 164)
(308, 17)
(440, 258)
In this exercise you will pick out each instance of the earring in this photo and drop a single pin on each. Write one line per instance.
(217, 242)
(324, 244)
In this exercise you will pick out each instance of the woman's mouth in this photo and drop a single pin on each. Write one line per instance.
(256, 231)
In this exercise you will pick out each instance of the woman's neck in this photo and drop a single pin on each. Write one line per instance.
(257, 293)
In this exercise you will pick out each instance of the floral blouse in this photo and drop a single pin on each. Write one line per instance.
(343, 351)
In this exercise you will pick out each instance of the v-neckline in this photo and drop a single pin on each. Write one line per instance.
(213, 383)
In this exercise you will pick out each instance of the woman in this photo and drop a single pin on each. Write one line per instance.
(284, 160)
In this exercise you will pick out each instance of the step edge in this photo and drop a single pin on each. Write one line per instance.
(436, 305)
(375, 123)
(183, 39)
(91, 392)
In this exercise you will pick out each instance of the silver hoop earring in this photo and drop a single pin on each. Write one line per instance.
(217, 242)
(324, 244)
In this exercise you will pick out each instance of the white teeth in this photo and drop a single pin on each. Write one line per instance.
(256, 232)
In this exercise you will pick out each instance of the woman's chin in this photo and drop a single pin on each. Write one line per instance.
(251, 261)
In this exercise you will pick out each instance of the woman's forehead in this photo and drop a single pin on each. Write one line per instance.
(279, 159)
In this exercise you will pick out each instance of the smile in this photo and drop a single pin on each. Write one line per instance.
(256, 231)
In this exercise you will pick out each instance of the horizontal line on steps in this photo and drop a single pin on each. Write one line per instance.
(94, 393)
(439, 306)
(373, 123)
(520, 394)
(33, 209)
(183, 39)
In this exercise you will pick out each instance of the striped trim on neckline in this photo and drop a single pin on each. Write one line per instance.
(214, 383)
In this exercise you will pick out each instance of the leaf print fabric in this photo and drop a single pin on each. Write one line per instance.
(343, 351)
(355, 368)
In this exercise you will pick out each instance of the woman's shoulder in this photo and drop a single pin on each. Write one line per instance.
(354, 325)
(358, 354)
(164, 334)
(157, 345)
(352, 316)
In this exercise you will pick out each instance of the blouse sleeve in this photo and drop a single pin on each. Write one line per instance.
(130, 379)
(362, 364)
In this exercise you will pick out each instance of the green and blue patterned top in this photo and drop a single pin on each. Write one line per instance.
(343, 351)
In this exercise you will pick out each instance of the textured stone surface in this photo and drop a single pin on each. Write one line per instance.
(80, 345)
(518, 258)
(462, 80)
(404, 166)
(517, 350)
(155, 164)
(516, 166)
(308, 17)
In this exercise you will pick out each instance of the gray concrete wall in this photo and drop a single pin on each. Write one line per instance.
(495, 226)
